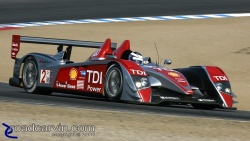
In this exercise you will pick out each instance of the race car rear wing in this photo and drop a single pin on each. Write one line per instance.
(17, 39)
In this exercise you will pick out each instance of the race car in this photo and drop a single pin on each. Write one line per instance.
(118, 74)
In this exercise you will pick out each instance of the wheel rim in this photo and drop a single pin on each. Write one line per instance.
(29, 74)
(114, 82)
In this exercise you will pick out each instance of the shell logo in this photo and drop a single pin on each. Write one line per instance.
(73, 74)
(174, 74)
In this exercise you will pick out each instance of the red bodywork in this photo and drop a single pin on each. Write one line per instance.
(15, 46)
(91, 78)
(101, 53)
(217, 75)
(85, 78)
(88, 79)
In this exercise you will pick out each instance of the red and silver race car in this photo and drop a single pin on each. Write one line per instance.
(118, 74)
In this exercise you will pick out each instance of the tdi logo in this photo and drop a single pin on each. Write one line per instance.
(94, 77)
(221, 78)
(138, 72)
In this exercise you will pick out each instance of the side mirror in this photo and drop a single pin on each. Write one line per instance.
(167, 62)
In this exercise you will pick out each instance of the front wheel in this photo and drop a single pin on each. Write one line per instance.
(113, 83)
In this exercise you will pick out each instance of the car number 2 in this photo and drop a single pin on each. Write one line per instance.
(45, 76)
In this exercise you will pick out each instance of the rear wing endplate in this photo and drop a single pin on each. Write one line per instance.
(17, 39)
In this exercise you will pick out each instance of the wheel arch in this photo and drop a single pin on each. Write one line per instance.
(37, 57)
(116, 98)
(22, 61)
(129, 92)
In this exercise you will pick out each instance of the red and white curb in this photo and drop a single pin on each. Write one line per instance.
(129, 19)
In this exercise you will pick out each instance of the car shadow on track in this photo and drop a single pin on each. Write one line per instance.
(89, 99)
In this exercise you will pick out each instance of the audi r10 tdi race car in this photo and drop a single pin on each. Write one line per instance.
(118, 74)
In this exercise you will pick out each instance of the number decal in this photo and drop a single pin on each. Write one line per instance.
(45, 76)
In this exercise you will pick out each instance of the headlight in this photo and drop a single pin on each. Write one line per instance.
(225, 88)
(144, 81)
(140, 82)
(218, 86)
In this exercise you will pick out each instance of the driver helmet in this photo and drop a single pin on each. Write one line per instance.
(136, 57)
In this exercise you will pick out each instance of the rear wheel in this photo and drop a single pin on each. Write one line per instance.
(203, 106)
(113, 83)
(30, 77)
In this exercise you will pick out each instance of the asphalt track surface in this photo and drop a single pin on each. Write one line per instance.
(13, 11)
(12, 94)
(16, 11)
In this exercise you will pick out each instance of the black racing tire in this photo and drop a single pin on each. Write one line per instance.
(30, 77)
(203, 106)
(113, 83)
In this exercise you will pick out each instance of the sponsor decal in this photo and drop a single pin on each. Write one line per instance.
(169, 98)
(73, 74)
(138, 72)
(83, 73)
(93, 89)
(94, 77)
(227, 90)
(14, 44)
(45, 77)
(220, 78)
(180, 80)
(206, 100)
(45, 61)
(14, 49)
(156, 68)
(80, 84)
(96, 53)
(173, 74)
(65, 86)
